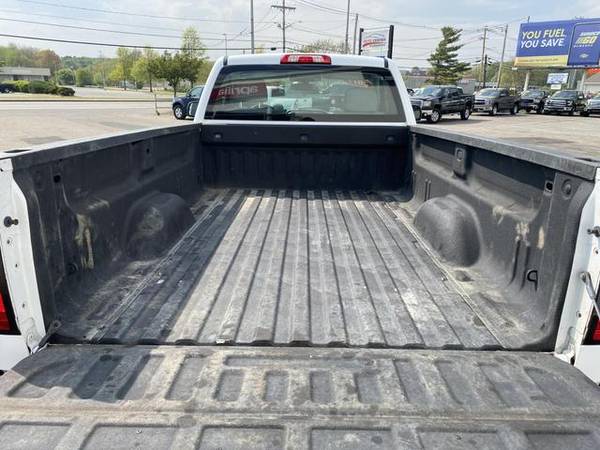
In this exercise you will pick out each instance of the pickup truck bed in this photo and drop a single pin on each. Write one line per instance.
(266, 286)
(290, 267)
(72, 397)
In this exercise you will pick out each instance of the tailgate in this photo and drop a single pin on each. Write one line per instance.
(72, 397)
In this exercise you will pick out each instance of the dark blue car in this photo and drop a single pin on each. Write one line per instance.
(186, 106)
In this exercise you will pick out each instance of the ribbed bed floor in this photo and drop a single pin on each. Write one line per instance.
(294, 268)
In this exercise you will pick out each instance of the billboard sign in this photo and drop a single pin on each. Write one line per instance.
(558, 78)
(374, 40)
(585, 48)
(567, 43)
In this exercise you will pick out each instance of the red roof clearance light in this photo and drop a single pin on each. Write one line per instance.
(592, 336)
(595, 337)
(4, 322)
(296, 58)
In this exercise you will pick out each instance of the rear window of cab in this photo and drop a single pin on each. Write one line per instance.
(322, 93)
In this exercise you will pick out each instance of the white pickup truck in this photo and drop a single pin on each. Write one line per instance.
(301, 267)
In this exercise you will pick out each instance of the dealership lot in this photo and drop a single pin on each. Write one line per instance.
(577, 136)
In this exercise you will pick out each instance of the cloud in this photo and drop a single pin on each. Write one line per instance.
(308, 23)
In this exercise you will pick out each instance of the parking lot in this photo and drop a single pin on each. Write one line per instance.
(34, 123)
(577, 136)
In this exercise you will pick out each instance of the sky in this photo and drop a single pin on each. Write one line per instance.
(160, 22)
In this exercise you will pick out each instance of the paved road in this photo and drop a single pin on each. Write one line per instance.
(25, 124)
(28, 124)
(97, 92)
(578, 136)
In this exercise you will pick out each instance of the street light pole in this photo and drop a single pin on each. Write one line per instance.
(347, 43)
(355, 31)
(499, 78)
(483, 56)
(252, 25)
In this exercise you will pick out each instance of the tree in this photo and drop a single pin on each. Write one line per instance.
(172, 68)
(47, 58)
(115, 76)
(125, 60)
(323, 46)
(18, 56)
(65, 76)
(102, 68)
(145, 68)
(445, 67)
(192, 54)
(190, 43)
(190, 67)
(83, 77)
(204, 71)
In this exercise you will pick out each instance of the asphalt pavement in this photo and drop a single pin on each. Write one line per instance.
(25, 124)
(576, 136)
(32, 123)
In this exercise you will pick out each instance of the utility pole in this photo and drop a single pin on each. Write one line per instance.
(355, 31)
(103, 71)
(252, 25)
(283, 9)
(499, 78)
(347, 42)
(225, 34)
(483, 57)
(485, 63)
(528, 71)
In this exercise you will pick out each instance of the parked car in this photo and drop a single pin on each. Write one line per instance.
(495, 100)
(568, 102)
(432, 102)
(312, 277)
(533, 100)
(6, 88)
(592, 106)
(186, 106)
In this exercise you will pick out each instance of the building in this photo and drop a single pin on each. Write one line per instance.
(8, 73)
(592, 83)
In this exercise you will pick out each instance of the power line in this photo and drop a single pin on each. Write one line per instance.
(126, 13)
(333, 10)
(308, 30)
(171, 36)
(104, 22)
(104, 44)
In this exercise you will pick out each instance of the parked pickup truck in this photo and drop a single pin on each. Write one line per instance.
(432, 102)
(533, 100)
(300, 276)
(568, 102)
(495, 100)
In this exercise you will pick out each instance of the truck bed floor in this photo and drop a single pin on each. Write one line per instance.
(119, 397)
(264, 267)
